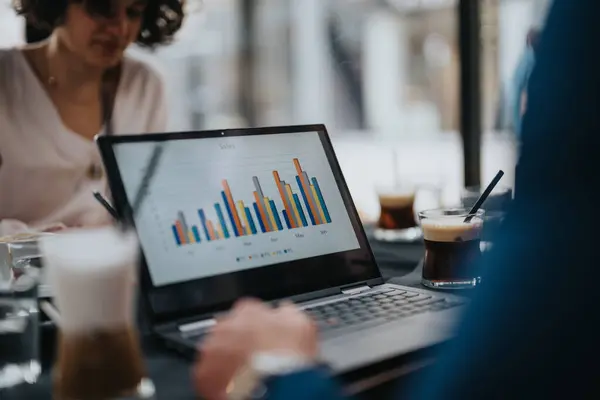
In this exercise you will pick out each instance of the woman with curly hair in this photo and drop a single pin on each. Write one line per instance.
(56, 95)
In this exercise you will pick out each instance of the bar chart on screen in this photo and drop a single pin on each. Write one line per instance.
(295, 205)
(219, 205)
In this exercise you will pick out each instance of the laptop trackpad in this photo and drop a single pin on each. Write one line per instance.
(369, 346)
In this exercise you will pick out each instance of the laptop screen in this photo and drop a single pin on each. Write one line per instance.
(222, 205)
(240, 213)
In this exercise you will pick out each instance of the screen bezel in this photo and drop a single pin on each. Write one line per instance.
(186, 299)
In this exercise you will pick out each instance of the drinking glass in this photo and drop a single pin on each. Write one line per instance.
(19, 323)
(92, 273)
(452, 248)
(397, 220)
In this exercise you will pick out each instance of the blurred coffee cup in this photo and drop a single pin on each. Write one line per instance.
(452, 240)
(397, 211)
(92, 274)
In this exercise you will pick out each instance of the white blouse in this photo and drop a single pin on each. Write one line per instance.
(45, 168)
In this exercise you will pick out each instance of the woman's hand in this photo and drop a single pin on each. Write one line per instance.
(52, 228)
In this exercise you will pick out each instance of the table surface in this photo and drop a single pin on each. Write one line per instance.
(171, 373)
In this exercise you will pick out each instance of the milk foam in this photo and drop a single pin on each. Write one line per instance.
(396, 200)
(451, 229)
(92, 275)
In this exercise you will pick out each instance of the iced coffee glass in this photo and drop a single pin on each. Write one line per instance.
(397, 219)
(452, 248)
(92, 274)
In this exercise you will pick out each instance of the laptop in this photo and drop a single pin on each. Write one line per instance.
(263, 213)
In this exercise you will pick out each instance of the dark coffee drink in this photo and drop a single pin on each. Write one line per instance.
(452, 251)
(397, 211)
(102, 364)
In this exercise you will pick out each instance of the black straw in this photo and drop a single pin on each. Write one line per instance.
(484, 196)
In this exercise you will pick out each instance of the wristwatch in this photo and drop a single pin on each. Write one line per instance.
(249, 382)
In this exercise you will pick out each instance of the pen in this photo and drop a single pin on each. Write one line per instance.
(106, 205)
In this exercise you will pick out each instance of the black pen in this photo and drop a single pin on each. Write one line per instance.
(106, 205)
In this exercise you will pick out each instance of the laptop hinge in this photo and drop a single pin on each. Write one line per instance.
(197, 325)
(356, 289)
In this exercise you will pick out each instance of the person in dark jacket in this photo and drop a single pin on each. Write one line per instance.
(532, 329)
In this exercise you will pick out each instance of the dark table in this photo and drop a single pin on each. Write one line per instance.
(171, 373)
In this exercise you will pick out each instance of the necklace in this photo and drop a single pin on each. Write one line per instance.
(50, 79)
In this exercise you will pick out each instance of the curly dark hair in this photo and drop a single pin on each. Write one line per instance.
(161, 19)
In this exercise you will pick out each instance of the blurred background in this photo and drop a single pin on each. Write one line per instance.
(389, 78)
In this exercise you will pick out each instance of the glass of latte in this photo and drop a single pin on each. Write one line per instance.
(452, 248)
(92, 273)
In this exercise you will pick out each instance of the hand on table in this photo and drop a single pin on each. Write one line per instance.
(250, 327)
(52, 228)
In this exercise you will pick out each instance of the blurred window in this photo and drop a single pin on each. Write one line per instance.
(382, 74)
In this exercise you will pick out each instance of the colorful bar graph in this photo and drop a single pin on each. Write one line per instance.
(223, 226)
(176, 234)
(321, 200)
(287, 205)
(260, 220)
(300, 211)
(272, 214)
(260, 213)
(305, 187)
(244, 218)
(250, 220)
(180, 232)
(305, 198)
(287, 220)
(211, 231)
(290, 196)
(262, 206)
(299, 205)
(310, 195)
(270, 218)
(204, 224)
(294, 219)
(236, 219)
(229, 213)
(275, 215)
(182, 221)
(191, 237)
(196, 233)
(320, 210)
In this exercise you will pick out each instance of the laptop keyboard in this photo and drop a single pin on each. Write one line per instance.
(370, 309)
